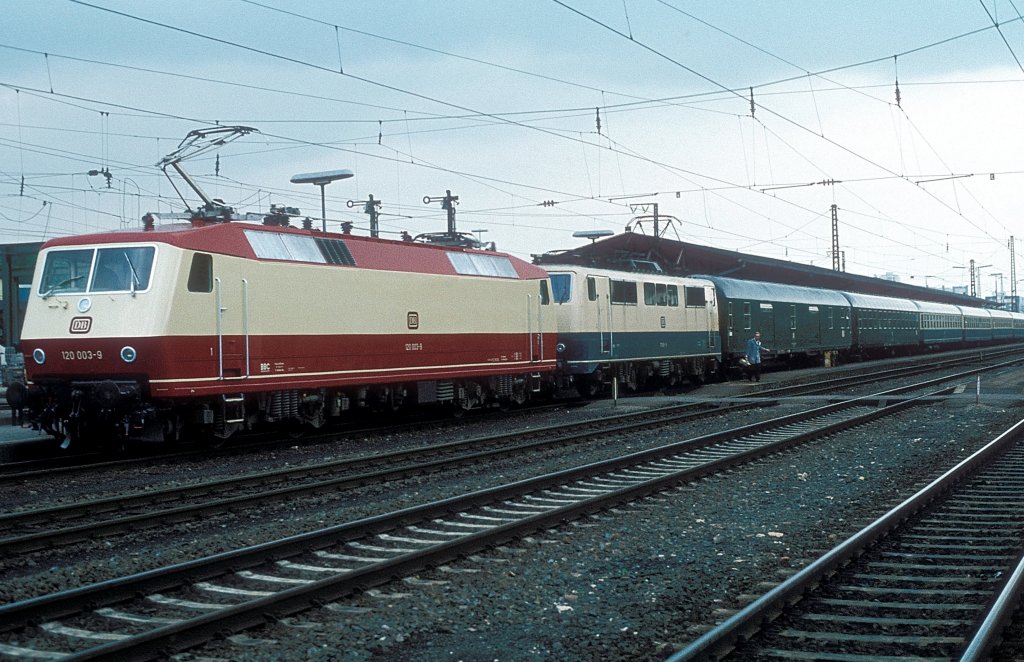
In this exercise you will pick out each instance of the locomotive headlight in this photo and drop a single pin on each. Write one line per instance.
(560, 347)
(128, 354)
(39, 356)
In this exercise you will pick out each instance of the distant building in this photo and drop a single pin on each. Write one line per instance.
(890, 276)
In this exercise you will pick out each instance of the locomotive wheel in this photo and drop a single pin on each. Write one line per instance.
(170, 428)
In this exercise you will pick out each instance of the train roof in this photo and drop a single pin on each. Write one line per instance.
(238, 239)
(683, 258)
(937, 308)
(611, 273)
(881, 303)
(733, 288)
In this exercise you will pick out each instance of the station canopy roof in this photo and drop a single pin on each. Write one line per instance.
(636, 251)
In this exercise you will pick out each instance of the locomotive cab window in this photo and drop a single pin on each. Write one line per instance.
(122, 269)
(591, 288)
(65, 271)
(561, 287)
(545, 297)
(125, 269)
(200, 276)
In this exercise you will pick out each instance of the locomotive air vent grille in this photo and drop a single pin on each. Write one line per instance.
(335, 251)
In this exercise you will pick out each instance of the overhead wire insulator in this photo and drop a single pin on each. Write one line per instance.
(598, 111)
(896, 66)
(751, 101)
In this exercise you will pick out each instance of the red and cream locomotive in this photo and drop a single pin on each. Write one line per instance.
(218, 326)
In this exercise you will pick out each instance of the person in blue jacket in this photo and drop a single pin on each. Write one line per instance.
(754, 357)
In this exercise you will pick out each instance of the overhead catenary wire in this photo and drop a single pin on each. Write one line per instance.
(584, 148)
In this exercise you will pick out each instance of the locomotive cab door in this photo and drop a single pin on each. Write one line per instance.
(600, 315)
(232, 328)
(536, 307)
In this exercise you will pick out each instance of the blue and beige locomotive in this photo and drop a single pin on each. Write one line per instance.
(638, 328)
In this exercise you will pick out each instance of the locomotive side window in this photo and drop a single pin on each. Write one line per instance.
(275, 246)
(474, 264)
(623, 292)
(545, 298)
(125, 269)
(591, 288)
(695, 297)
(200, 276)
(561, 287)
(661, 294)
(65, 271)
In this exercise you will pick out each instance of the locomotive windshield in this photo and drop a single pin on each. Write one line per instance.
(121, 269)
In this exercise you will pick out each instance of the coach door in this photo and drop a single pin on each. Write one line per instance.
(232, 328)
(766, 317)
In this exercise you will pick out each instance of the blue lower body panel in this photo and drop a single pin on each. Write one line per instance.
(585, 351)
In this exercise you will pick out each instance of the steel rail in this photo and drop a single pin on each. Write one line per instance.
(67, 464)
(717, 642)
(161, 512)
(616, 481)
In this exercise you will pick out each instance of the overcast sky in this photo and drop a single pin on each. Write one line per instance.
(499, 103)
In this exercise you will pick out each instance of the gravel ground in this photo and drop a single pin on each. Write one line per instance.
(634, 583)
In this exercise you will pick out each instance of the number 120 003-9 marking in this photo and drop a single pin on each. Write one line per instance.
(82, 355)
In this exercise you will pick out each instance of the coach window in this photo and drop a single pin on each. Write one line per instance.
(591, 288)
(746, 315)
(200, 276)
(792, 317)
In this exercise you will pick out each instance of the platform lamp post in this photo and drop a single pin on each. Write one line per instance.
(322, 179)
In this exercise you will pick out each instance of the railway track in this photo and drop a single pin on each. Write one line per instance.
(70, 465)
(936, 578)
(43, 528)
(153, 613)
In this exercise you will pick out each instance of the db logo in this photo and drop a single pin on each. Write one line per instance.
(80, 324)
